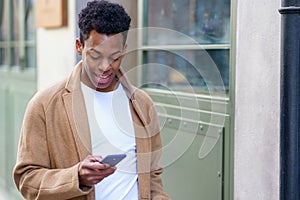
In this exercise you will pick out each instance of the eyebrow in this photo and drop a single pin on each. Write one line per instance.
(98, 52)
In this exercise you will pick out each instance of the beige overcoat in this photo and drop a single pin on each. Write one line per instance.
(55, 137)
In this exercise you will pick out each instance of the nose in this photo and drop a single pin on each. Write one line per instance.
(104, 65)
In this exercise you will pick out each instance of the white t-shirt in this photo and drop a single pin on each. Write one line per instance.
(112, 132)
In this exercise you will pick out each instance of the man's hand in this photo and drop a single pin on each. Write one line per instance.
(92, 172)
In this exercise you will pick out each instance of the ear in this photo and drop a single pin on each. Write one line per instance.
(78, 47)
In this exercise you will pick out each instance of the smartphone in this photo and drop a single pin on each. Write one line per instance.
(113, 159)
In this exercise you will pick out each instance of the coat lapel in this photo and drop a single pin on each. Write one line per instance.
(143, 144)
(77, 114)
(142, 134)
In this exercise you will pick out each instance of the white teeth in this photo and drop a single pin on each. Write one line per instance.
(103, 77)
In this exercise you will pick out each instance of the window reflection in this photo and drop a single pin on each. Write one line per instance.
(16, 21)
(191, 71)
(17, 41)
(184, 25)
(3, 24)
(30, 52)
(29, 19)
(3, 21)
(16, 33)
(207, 21)
(16, 57)
(30, 56)
(3, 58)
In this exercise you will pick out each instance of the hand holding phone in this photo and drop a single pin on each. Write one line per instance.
(113, 159)
(90, 172)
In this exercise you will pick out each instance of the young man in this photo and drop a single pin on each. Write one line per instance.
(69, 127)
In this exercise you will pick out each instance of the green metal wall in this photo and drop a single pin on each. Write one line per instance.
(196, 145)
(16, 89)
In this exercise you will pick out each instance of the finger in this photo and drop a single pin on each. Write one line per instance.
(98, 173)
(94, 158)
(95, 171)
(95, 165)
(100, 166)
(107, 172)
(91, 158)
(101, 177)
(92, 177)
(92, 181)
(98, 157)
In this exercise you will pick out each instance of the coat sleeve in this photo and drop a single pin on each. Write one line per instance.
(33, 175)
(156, 185)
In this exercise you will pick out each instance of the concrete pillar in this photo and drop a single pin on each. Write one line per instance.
(257, 101)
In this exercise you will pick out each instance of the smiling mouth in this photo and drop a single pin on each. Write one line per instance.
(103, 79)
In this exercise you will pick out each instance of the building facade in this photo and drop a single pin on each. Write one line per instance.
(211, 67)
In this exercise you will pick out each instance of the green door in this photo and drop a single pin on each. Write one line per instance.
(18, 82)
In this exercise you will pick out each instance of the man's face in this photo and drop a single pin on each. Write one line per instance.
(101, 55)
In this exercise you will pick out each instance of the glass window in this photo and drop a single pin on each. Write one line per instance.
(186, 45)
(30, 50)
(206, 21)
(29, 20)
(16, 56)
(30, 56)
(3, 31)
(3, 60)
(191, 71)
(3, 21)
(17, 34)
(16, 16)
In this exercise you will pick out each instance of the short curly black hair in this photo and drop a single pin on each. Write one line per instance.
(104, 17)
